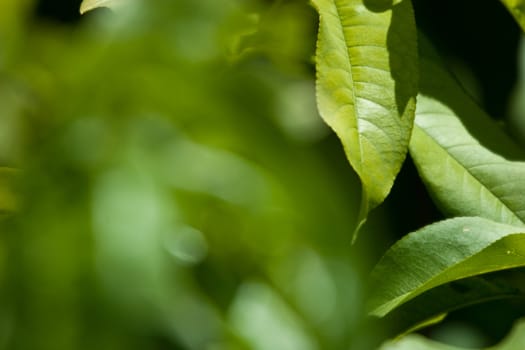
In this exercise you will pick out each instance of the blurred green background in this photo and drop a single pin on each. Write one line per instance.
(175, 186)
(166, 181)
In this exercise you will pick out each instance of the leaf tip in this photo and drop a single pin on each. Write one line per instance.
(88, 5)
(85, 8)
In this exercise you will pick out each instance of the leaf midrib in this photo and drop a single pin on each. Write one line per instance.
(439, 277)
(352, 83)
(505, 205)
(438, 280)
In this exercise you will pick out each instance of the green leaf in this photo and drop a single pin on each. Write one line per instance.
(416, 342)
(436, 303)
(441, 253)
(366, 86)
(517, 9)
(514, 341)
(88, 5)
(463, 176)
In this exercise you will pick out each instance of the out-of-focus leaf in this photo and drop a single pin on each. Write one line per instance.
(155, 207)
(441, 253)
(8, 201)
(464, 177)
(88, 5)
(514, 341)
(416, 342)
(517, 9)
(366, 87)
(13, 15)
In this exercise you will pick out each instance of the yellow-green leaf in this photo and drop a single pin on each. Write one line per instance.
(517, 9)
(88, 5)
(366, 86)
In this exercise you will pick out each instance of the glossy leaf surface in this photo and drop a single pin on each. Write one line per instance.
(441, 253)
(435, 304)
(366, 86)
(464, 176)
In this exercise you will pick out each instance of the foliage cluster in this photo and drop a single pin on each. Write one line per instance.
(166, 182)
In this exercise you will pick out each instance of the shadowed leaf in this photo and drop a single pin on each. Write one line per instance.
(514, 341)
(464, 176)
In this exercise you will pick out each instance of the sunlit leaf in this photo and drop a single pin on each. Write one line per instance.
(88, 5)
(441, 253)
(366, 86)
(514, 341)
(463, 176)
(465, 179)
(517, 9)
